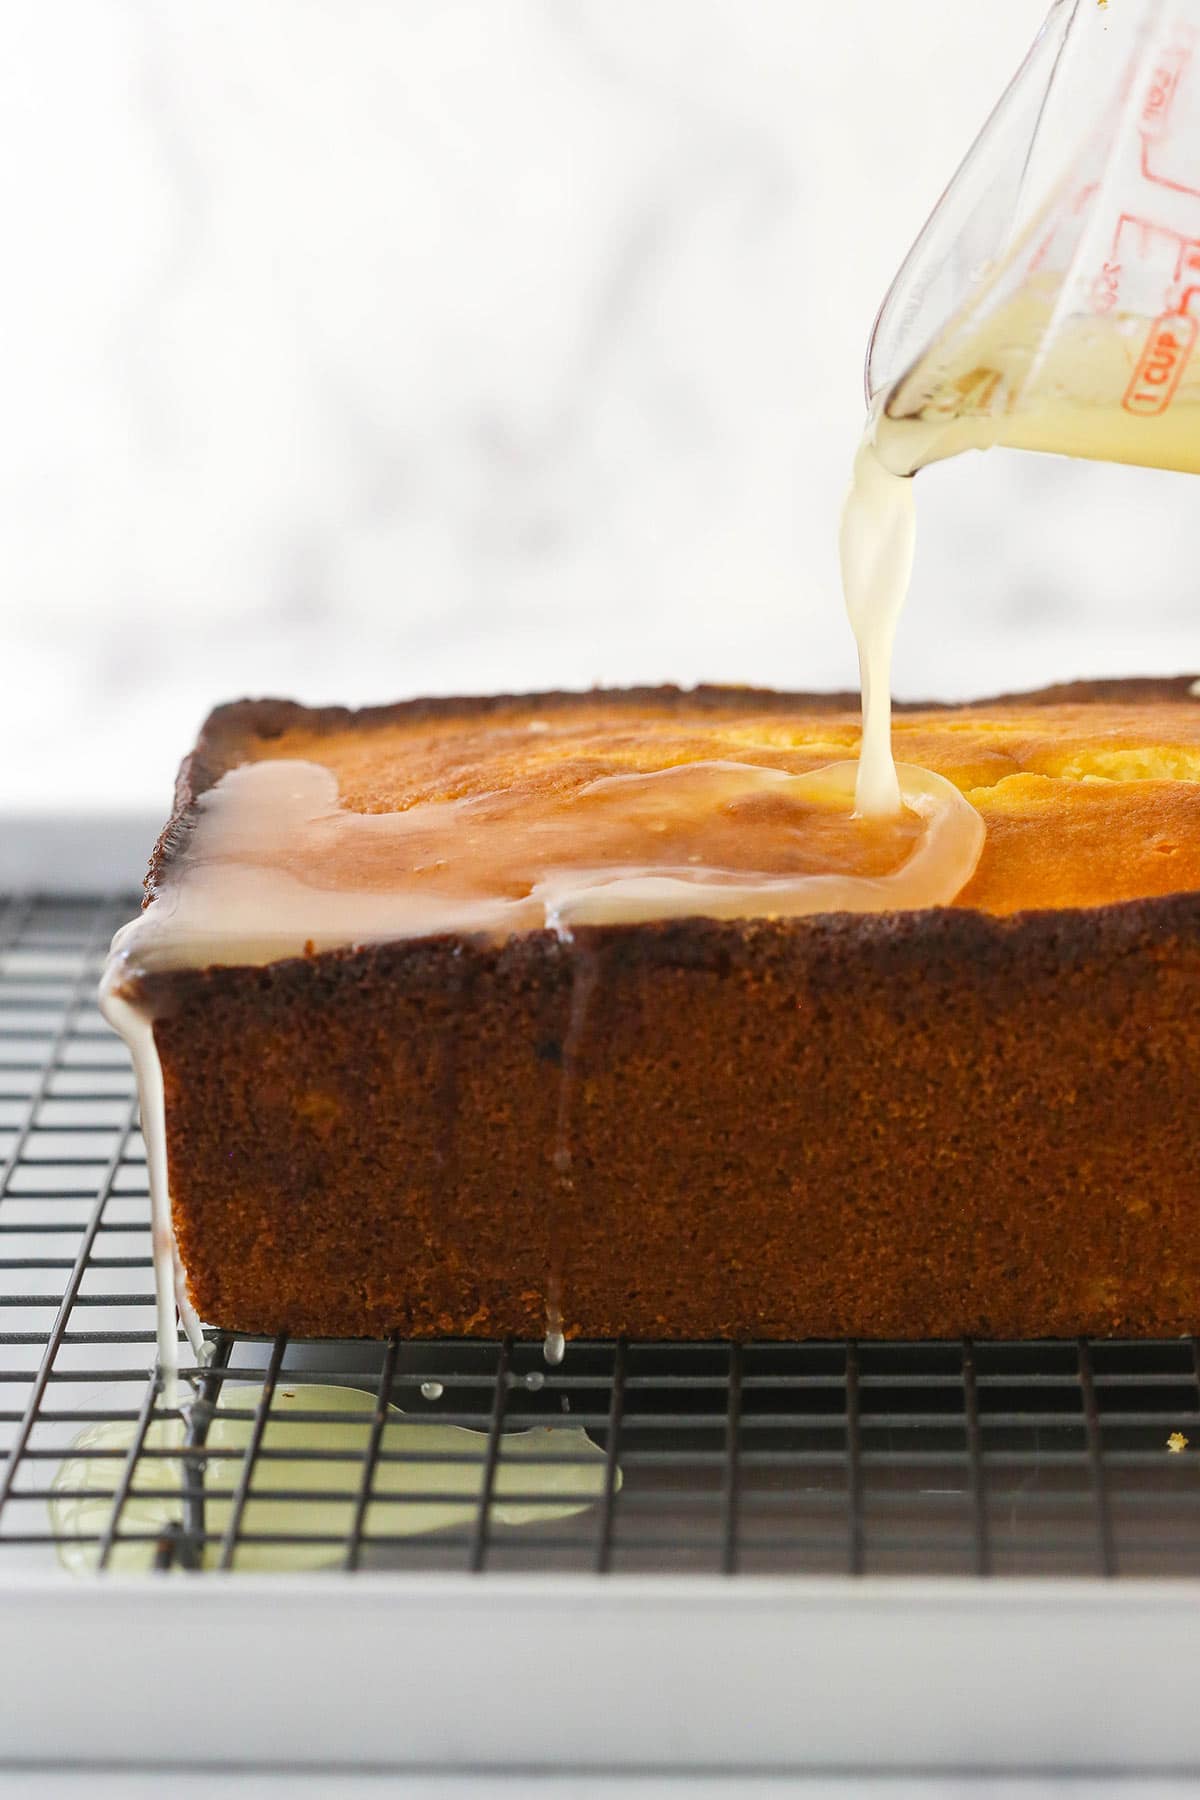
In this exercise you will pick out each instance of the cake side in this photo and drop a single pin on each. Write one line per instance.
(922, 1125)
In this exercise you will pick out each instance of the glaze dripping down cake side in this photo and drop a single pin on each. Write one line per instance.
(977, 1119)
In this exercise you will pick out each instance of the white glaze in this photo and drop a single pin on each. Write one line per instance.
(557, 1467)
(170, 1291)
(876, 541)
(225, 902)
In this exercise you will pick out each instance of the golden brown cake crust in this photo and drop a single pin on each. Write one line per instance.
(1075, 784)
(897, 1125)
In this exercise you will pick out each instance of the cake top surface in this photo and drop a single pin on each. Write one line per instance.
(301, 830)
(1090, 794)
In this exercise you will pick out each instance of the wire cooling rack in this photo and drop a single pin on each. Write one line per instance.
(820, 1458)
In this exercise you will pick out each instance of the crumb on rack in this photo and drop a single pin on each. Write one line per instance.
(1176, 1442)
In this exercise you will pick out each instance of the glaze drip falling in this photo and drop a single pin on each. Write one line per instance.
(877, 538)
(584, 979)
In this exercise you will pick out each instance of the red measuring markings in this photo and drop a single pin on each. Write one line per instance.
(1162, 102)
(1164, 85)
(1160, 367)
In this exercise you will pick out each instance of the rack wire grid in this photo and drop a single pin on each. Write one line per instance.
(800, 1458)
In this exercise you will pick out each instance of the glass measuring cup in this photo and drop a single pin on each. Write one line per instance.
(1052, 300)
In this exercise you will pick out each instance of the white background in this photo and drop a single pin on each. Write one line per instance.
(356, 348)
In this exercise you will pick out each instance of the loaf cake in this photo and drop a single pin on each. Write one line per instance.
(981, 1118)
